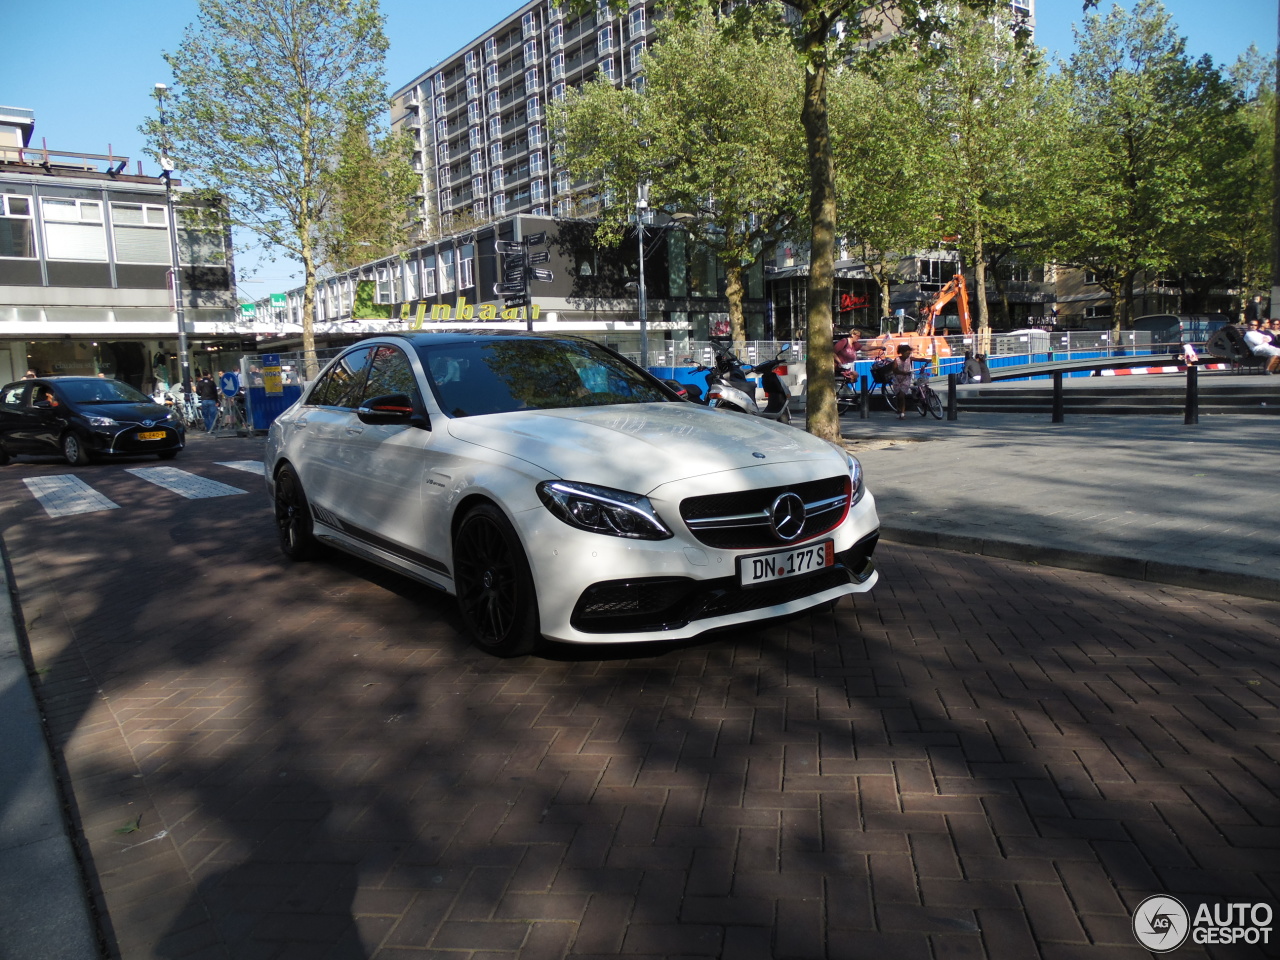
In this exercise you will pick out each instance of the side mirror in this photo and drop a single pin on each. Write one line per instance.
(392, 409)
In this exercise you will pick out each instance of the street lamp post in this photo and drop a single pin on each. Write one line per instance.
(642, 204)
(175, 269)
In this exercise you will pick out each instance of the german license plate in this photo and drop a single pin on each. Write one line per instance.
(151, 435)
(781, 564)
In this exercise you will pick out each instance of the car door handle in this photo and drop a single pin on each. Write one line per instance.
(352, 431)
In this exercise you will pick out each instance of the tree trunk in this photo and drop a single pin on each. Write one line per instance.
(823, 418)
(980, 282)
(734, 291)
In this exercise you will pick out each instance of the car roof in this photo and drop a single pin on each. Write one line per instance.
(435, 338)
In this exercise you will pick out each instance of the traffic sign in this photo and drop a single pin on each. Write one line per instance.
(542, 256)
(509, 246)
(546, 276)
(509, 289)
(536, 239)
(520, 301)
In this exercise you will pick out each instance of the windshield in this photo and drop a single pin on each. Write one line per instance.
(101, 391)
(501, 376)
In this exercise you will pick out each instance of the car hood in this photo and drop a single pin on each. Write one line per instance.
(638, 447)
(129, 412)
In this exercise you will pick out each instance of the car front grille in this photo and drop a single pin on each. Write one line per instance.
(652, 604)
(740, 521)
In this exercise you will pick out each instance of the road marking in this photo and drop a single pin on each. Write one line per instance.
(248, 466)
(67, 495)
(184, 484)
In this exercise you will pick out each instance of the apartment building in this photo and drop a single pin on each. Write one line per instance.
(479, 117)
(85, 261)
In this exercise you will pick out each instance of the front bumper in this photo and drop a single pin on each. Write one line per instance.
(598, 589)
(126, 443)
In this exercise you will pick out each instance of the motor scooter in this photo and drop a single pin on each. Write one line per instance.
(728, 386)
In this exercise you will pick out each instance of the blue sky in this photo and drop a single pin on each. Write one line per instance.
(87, 68)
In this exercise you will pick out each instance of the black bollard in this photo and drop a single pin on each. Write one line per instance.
(1193, 394)
(1059, 414)
(864, 398)
(953, 408)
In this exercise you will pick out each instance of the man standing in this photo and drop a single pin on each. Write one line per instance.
(207, 391)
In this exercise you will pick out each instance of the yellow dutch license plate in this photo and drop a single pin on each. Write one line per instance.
(151, 435)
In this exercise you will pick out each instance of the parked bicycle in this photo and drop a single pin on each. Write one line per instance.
(849, 395)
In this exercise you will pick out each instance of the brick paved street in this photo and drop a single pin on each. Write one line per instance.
(980, 759)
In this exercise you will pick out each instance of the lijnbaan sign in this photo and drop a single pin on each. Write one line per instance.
(461, 310)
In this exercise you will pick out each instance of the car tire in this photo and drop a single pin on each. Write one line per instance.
(495, 589)
(4, 456)
(73, 449)
(293, 518)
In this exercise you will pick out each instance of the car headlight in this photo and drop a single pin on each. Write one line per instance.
(615, 513)
(856, 487)
(101, 421)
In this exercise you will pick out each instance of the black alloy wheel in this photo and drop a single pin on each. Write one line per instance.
(73, 449)
(293, 518)
(494, 585)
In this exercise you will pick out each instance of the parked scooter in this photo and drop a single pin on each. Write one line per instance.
(729, 388)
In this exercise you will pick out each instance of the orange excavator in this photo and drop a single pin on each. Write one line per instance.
(951, 290)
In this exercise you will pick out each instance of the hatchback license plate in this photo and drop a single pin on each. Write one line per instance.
(152, 435)
(767, 567)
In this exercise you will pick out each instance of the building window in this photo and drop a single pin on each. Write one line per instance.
(429, 276)
(74, 230)
(442, 129)
(604, 39)
(539, 211)
(530, 52)
(477, 186)
(499, 204)
(473, 113)
(556, 35)
(557, 91)
(495, 128)
(466, 267)
(1098, 313)
(478, 211)
(442, 152)
(447, 276)
(493, 101)
(439, 83)
(446, 198)
(495, 153)
(477, 161)
(473, 87)
(473, 62)
(411, 280)
(474, 137)
(535, 135)
(491, 48)
(498, 177)
(140, 232)
(533, 109)
(562, 182)
(531, 78)
(537, 190)
(536, 162)
(442, 105)
(529, 24)
(17, 233)
(383, 275)
(636, 21)
(1090, 277)
(937, 271)
(557, 66)
(491, 74)
(637, 51)
(607, 69)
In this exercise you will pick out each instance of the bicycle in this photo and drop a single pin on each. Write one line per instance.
(925, 397)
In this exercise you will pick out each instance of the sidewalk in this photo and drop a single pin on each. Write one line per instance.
(1148, 498)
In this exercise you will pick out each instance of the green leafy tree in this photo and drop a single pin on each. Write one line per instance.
(714, 133)
(372, 187)
(1155, 132)
(264, 89)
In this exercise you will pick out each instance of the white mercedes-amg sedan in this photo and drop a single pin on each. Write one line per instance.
(561, 492)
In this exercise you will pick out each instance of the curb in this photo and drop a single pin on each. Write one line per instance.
(44, 912)
(1131, 568)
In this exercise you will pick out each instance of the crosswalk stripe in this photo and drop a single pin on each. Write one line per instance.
(184, 484)
(66, 495)
(248, 466)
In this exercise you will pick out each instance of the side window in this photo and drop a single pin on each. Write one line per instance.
(11, 399)
(343, 385)
(390, 372)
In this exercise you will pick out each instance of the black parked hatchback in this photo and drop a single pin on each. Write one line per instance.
(82, 418)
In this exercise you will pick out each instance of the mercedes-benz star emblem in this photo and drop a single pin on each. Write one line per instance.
(786, 516)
